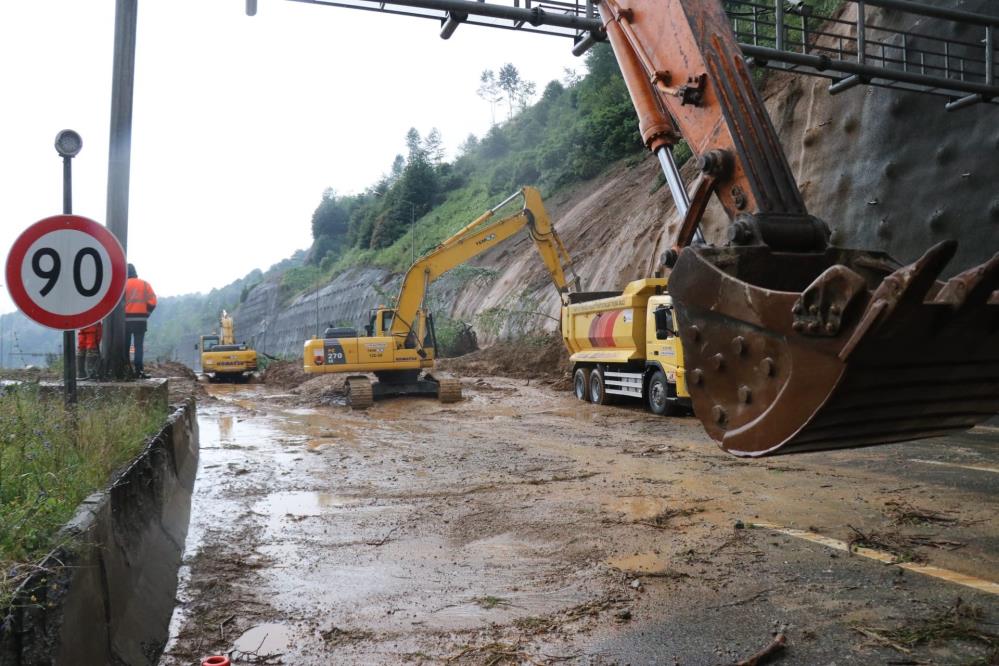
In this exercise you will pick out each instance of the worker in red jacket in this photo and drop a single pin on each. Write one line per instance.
(140, 301)
(88, 351)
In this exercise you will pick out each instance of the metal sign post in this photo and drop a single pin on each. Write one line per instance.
(68, 143)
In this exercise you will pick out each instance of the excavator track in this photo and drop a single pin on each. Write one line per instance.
(836, 349)
(449, 390)
(359, 394)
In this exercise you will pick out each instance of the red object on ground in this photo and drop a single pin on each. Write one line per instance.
(216, 661)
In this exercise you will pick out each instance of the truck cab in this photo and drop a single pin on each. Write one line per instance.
(662, 342)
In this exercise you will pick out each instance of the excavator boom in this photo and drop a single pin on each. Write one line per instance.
(474, 239)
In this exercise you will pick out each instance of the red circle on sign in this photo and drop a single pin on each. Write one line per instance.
(36, 312)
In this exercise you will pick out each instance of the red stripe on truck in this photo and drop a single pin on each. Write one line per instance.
(601, 333)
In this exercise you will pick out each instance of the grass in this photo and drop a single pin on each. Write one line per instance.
(48, 464)
(489, 602)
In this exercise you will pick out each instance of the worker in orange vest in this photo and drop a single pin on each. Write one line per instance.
(88, 354)
(140, 301)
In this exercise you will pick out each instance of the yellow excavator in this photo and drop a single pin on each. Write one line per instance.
(222, 358)
(400, 342)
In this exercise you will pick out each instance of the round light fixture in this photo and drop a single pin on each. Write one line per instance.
(68, 143)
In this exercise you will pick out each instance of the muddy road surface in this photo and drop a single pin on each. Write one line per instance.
(522, 526)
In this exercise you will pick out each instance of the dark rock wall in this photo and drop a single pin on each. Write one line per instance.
(280, 329)
(891, 170)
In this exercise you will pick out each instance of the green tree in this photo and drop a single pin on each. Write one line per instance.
(398, 164)
(433, 146)
(517, 91)
(414, 144)
(330, 226)
(490, 91)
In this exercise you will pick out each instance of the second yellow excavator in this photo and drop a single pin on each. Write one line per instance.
(222, 358)
(400, 342)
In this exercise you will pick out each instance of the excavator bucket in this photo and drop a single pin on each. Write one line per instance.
(791, 352)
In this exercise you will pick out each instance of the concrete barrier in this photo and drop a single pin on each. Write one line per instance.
(106, 596)
(153, 393)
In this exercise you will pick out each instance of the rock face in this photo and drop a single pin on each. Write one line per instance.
(895, 171)
(887, 170)
(279, 328)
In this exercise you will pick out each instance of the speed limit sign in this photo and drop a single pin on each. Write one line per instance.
(66, 272)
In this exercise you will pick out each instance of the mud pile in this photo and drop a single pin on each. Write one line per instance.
(543, 358)
(170, 369)
(286, 374)
(323, 389)
(183, 380)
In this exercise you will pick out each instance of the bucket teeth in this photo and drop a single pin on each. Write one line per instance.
(909, 285)
(974, 286)
(836, 350)
(824, 304)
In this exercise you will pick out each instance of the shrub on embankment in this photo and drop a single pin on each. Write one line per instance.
(50, 460)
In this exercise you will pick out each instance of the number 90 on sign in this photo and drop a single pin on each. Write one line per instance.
(66, 272)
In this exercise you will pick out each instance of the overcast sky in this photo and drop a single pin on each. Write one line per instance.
(239, 123)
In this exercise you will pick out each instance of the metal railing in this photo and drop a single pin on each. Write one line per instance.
(850, 46)
(855, 45)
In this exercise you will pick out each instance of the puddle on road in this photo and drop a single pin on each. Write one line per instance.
(225, 429)
(640, 563)
(264, 640)
(301, 503)
(639, 508)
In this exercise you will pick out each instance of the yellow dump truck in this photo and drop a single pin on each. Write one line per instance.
(222, 358)
(626, 344)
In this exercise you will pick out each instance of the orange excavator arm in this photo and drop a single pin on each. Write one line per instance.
(686, 73)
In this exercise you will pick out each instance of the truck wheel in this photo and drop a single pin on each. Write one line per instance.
(660, 394)
(598, 392)
(579, 384)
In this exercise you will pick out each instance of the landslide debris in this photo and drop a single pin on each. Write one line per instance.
(538, 357)
(286, 374)
(183, 381)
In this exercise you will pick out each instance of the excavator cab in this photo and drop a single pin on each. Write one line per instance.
(379, 321)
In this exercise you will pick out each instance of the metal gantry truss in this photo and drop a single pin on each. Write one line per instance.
(845, 46)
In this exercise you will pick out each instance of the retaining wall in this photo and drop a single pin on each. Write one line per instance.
(107, 598)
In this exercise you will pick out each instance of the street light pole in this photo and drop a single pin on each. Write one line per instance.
(115, 344)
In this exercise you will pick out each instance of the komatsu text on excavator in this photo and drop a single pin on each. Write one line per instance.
(400, 342)
(790, 343)
(222, 358)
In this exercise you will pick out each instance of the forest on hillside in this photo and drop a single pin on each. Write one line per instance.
(576, 128)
